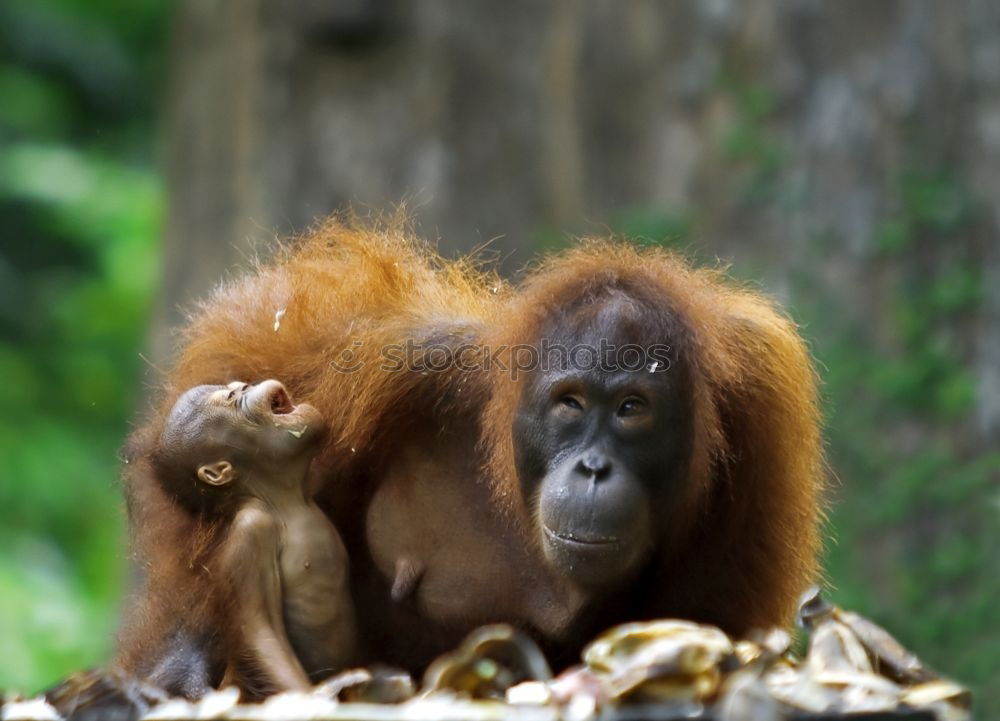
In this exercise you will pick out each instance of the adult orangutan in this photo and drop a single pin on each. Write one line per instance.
(480, 468)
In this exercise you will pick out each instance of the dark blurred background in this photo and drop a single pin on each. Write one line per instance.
(843, 155)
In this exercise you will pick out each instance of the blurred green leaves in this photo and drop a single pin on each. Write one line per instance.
(916, 522)
(81, 209)
(52, 619)
(655, 227)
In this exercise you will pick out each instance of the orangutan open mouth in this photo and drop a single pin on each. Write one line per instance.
(281, 404)
(581, 540)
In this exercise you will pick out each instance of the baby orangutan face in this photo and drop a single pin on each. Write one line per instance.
(240, 431)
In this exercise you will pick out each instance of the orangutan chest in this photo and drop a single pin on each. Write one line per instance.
(437, 541)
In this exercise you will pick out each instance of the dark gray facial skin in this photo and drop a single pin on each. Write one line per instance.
(601, 454)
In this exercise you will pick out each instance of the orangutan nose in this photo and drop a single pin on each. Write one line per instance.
(594, 465)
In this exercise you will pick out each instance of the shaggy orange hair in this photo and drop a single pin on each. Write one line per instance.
(747, 541)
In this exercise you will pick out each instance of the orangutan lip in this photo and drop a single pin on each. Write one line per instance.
(581, 540)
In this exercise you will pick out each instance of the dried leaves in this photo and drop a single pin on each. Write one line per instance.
(666, 669)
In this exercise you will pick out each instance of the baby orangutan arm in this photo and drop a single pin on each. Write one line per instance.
(248, 566)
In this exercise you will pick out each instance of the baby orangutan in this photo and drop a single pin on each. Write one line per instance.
(237, 456)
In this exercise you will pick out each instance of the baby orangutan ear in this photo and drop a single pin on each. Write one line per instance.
(216, 474)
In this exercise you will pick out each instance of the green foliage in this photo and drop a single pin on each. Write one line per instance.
(655, 227)
(915, 515)
(81, 212)
(749, 145)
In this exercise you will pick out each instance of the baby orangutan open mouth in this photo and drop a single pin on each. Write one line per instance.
(270, 401)
(281, 404)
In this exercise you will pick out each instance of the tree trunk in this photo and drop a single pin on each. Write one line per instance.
(791, 136)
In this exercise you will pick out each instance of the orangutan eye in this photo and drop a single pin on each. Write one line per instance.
(631, 406)
(572, 402)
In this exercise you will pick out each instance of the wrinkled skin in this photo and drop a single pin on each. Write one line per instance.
(599, 450)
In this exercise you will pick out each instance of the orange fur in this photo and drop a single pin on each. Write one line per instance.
(748, 544)
(739, 555)
(343, 289)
